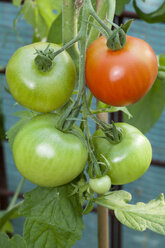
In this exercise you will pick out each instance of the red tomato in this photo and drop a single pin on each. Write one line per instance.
(122, 77)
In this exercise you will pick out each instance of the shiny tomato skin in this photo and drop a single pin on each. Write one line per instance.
(128, 159)
(47, 156)
(37, 90)
(123, 77)
(100, 185)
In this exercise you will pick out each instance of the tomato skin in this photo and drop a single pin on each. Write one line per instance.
(100, 185)
(129, 159)
(123, 77)
(36, 90)
(46, 156)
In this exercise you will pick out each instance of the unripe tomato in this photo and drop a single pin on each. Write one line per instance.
(47, 156)
(128, 159)
(100, 185)
(37, 90)
(122, 77)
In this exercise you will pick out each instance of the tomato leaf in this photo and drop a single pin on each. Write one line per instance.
(5, 215)
(7, 227)
(120, 5)
(39, 14)
(161, 67)
(138, 217)
(102, 107)
(26, 116)
(153, 17)
(148, 110)
(4, 240)
(54, 217)
(55, 32)
(15, 242)
(16, 3)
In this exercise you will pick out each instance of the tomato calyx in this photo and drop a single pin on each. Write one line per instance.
(117, 39)
(112, 133)
(44, 59)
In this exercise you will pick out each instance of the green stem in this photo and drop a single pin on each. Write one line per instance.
(14, 199)
(69, 28)
(101, 12)
(98, 19)
(89, 98)
(111, 11)
(66, 46)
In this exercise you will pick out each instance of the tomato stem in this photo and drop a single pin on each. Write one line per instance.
(14, 199)
(69, 28)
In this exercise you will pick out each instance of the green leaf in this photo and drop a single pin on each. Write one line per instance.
(138, 217)
(161, 67)
(120, 5)
(148, 110)
(39, 14)
(6, 215)
(54, 217)
(26, 116)
(7, 227)
(161, 60)
(153, 17)
(46, 9)
(4, 240)
(15, 242)
(102, 107)
(16, 3)
(55, 32)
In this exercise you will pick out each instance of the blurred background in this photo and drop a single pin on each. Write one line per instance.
(150, 185)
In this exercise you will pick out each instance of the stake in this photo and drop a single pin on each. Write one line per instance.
(103, 221)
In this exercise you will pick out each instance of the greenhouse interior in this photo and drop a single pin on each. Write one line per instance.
(52, 164)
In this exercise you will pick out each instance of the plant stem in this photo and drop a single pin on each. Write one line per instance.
(66, 46)
(97, 18)
(69, 28)
(14, 199)
(111, 11)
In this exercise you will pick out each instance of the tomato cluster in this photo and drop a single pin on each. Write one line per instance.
(51, 157)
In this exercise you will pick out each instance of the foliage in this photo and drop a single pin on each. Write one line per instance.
(138, 217)
(54, 215)
(153, 17)
(40, 14)
(147, 111)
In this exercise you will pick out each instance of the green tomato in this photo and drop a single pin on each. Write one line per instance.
(100, 185)
(47, 156)
(37, 90)
(129, 159)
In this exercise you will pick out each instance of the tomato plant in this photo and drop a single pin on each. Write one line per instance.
(37, 90)
(121, 77)
(100, 185)
(47, 156)
(129, 159)
(51, 151)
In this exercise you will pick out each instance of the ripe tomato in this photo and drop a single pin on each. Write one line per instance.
(129, 159)
(100, 185)
(122, 77)
(47, 156)
(37, 90)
